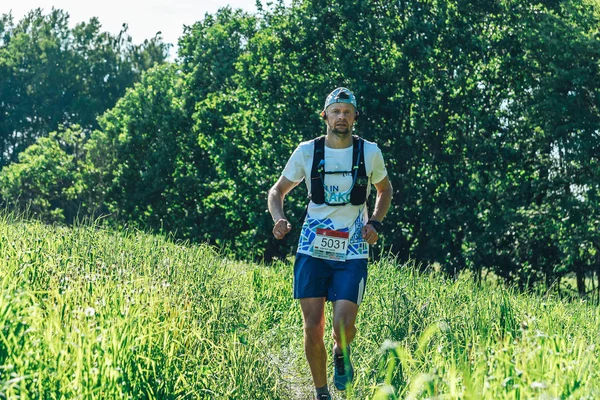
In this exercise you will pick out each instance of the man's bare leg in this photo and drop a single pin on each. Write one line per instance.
(344, 330)
(344, 319)
(313, 312)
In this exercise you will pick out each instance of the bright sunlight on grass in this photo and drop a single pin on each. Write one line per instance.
(94, 314)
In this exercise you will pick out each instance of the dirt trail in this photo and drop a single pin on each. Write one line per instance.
(295, 375)
(297, 384)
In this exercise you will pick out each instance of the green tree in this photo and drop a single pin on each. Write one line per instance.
(487, 114)
(147, 160)
(53, 75)
(48, 179)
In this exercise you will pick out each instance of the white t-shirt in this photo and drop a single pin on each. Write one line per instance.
(345, 218)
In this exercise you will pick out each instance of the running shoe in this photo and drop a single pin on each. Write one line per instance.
(343, 373)
(323, 396)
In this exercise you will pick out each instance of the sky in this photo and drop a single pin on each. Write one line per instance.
(144, 18)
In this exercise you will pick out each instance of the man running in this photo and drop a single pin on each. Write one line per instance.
(333, 250)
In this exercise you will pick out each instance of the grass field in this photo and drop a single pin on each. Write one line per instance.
(91, 314)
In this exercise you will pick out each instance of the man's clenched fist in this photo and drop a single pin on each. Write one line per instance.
(281, 228)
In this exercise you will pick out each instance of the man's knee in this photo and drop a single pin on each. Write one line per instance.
(344, 320)
(343, 328)
(314, 332)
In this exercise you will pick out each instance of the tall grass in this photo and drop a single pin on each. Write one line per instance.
(90, 314)
(87, 313)
(457, 340)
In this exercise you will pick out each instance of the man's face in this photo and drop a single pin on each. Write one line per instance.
(340, 118)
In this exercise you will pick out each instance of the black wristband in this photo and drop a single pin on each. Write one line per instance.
(376, 224)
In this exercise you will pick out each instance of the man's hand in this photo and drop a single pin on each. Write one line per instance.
(369, 233)
(281, 228)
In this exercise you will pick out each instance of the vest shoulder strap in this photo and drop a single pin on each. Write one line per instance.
(358, 151)
(358, 195)
(318, 156)
(317, 192)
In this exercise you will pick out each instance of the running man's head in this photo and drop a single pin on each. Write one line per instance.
(340, 111)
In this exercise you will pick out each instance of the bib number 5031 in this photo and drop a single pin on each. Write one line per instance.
(336, 244)
(330, 244)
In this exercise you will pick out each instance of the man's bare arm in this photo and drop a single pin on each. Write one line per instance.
(383, 200)
(382, 205)
(275, 201)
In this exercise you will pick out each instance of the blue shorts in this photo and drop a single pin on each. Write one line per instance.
(334, 280)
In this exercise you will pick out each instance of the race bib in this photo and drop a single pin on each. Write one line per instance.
(330, 244)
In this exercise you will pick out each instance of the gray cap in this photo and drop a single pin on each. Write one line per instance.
(340, 95)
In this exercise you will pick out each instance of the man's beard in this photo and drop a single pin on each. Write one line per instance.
(341, 131)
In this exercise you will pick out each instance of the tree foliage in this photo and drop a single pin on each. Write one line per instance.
(51, 74)
(48, 180)
(487, 114)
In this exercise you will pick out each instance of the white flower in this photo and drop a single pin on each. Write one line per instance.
(539, 385)
(388, 345)
(89, 312)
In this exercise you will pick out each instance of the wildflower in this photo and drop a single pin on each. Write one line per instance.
(388, 345)
(539, 385)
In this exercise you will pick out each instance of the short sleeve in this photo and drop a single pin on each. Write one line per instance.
(379, 171)
(294, 169)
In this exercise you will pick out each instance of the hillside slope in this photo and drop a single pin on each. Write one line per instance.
(90, 313)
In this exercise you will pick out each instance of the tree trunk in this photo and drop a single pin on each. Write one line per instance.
(579, 271)
(598, 284)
